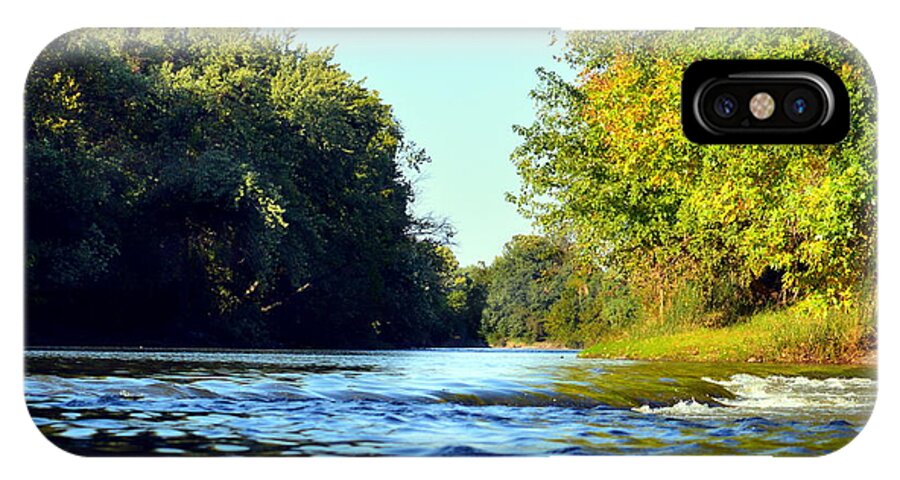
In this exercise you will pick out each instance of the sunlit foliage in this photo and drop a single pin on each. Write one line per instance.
(703, 234)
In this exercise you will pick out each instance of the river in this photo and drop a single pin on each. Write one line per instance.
(436, 402)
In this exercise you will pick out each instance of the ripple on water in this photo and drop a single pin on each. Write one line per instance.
(78, 433)
(458, 403)
(168, 433)
(169, 451)
(461, 451)
(142, 415)
(100, 424)
(226, 448)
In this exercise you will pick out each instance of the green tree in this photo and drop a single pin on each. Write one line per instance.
(193, 187)
(606, 164)
(526, 280)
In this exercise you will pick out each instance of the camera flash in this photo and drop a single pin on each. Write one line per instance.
(762, 105)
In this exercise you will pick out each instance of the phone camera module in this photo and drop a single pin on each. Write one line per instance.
(763, 102)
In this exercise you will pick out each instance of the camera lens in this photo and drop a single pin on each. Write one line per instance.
(801, 105)
(725, 105)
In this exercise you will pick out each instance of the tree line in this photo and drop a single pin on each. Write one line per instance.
(662, 234)
(229, 187)
(202, 188)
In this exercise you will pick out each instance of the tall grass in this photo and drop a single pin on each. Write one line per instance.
(811, 330)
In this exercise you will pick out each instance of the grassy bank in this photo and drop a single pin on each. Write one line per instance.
(800, 333)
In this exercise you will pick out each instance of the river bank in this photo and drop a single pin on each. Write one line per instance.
(525, 345)
(788, 335)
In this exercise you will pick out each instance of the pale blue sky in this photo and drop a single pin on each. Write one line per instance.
(457, 93)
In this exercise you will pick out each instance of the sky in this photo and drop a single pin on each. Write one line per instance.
(457, 94)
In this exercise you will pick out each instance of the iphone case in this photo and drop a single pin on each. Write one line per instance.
(437, 242)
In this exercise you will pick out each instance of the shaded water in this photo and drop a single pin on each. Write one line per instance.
(436, 402)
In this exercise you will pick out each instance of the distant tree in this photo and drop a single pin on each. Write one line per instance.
(466, 300)
(525, 281)
(538, 292)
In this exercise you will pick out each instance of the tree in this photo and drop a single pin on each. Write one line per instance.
(192, 187)
(607, 165)
(526, 280)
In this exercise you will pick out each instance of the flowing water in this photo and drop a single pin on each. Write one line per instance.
(436, 402)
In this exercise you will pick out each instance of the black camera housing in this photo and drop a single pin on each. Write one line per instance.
(811, 102)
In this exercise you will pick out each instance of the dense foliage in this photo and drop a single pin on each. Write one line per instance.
(536, 293)
(190, 187)
(703, 234)
(525, 281)
(233, 188)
